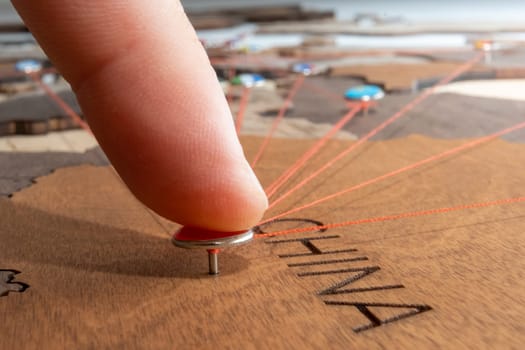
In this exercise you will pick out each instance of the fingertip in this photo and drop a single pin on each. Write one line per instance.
(153, 101)
(231, 200)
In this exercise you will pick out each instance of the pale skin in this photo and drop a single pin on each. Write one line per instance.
(153, 101)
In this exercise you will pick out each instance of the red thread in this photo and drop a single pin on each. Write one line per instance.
(406, 168)
(295, 87)
(420, 98)
(242, 109)
(312, 151)
(69, 111)
(395, 217)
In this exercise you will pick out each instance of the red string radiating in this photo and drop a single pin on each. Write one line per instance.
(61, 103)
(282, 111)
(420, 98)
(395, 217)
(404, 169)
(312, 151)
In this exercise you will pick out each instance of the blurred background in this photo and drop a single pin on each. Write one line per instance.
(399, 46)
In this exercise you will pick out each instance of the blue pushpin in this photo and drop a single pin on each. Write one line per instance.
(303, 68)
(28, 66)
(249, 80)
(258, 79)
(365, 94)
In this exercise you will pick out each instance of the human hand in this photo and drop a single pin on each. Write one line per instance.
(153, 101)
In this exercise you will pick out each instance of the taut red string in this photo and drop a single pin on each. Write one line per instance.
(404, 169)
(65, 107)
(354, 109)
(394, 217)
(295, 87)
(420, 98)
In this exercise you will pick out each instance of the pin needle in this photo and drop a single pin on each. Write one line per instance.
(213, 261)
(192, 237)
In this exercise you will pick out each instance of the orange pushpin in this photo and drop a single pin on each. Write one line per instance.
(212, 241)
(487, 46)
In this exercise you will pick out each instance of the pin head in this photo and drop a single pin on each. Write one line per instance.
(28, 66)
(248, 80)
(365, 93)
(303, 68)
(484, 45)
(192, 237)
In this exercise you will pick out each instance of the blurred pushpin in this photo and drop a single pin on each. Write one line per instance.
(366, 95)
(212, 241)
(248, 80)
(486, 46)
(28, 66)
(253, 48)
(303, 68)
(31, 66)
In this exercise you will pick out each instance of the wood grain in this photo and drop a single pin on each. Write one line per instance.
(104, 275)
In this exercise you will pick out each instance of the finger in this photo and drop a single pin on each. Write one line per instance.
(154, 103)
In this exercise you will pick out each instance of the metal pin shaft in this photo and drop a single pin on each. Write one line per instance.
(213, 259)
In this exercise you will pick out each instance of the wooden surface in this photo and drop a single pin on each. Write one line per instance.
(399, 76)
(35, 113)
(445, 115)
(103, 274)
(213, 18)
(21, 168)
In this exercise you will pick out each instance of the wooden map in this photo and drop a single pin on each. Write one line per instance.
(103, 274)
(83, 264)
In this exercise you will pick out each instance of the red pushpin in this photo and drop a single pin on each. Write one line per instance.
(212, 241)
